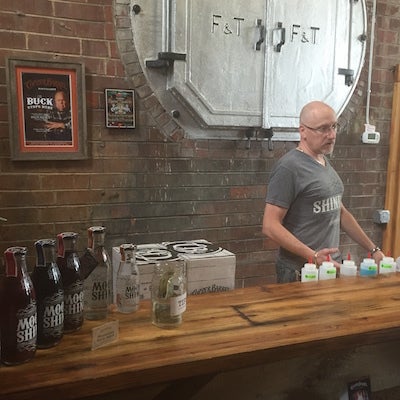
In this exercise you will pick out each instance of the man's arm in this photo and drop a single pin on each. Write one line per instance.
(349, 225)
(273, 228)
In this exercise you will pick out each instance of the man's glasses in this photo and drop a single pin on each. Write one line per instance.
(324, 129)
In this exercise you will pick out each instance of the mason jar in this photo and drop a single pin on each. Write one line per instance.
(168, 293)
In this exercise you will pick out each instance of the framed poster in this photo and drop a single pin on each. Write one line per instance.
(47, 110)
(120, 108)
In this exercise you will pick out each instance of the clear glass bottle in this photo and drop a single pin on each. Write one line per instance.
(168, 293)
(69, 265)
(18, 312)
(128, 284)
(46, 278)
(98, 283)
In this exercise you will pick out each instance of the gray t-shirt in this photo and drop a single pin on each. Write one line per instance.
(312, 194)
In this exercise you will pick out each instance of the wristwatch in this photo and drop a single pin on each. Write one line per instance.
(316, 257)
(374, 250)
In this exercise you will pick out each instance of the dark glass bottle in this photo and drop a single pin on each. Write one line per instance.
(69, 265)
(46, 278)
(98, 283)
(18, 313)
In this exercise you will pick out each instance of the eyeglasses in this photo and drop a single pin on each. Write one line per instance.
(324, 129)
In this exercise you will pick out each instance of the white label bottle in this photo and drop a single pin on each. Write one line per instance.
(327, 270)
(128, 283)
(387, 265)
(309, 272)
(348, 267)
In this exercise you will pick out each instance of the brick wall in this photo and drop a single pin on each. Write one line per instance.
(152, 184)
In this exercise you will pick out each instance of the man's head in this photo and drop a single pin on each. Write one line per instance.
(318, 127)
(60, 101)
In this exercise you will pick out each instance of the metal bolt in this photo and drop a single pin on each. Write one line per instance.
(136, 9)
(175, 113)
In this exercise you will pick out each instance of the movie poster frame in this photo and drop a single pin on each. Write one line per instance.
(27, 140)
(115, 119)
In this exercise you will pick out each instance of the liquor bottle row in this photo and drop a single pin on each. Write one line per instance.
(63, 290)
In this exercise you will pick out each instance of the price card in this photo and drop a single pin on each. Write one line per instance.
(105, 334)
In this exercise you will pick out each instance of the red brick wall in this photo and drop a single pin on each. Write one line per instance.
(152, 184)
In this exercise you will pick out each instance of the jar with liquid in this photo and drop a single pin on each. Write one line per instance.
(169, 293)
(368, 267)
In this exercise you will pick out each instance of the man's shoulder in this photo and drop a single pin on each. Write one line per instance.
(291, 156)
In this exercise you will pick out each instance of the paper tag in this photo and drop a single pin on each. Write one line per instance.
(178, 305)
(104, 334)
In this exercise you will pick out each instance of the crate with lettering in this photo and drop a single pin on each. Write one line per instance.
(209, 268)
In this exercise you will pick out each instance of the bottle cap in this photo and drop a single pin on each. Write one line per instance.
(310, 267)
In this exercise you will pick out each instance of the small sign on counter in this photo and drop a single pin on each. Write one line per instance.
(105, 334)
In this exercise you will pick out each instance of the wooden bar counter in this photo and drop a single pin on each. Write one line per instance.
(220, 332)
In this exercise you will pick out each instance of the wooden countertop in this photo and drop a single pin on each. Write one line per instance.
(220, 332)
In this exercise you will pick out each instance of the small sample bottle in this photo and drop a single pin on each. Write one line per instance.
(387, 265)
(327, 270)
(309, 273)
(348, 267)
(128, 284)
(368, 267)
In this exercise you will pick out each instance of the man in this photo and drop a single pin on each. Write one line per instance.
(304, 211)
(59, 119)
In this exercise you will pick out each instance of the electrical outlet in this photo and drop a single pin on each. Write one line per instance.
(381, 216)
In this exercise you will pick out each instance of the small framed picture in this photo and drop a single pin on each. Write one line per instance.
(120, 108)
(47, 110)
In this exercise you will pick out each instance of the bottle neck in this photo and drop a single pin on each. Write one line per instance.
(128, 256)
(66, 244)
(45, 253)
(96, 237)
(15, 262)
(96, 241)
(128, 252)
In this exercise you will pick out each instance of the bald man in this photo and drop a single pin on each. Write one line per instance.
(304, 213)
